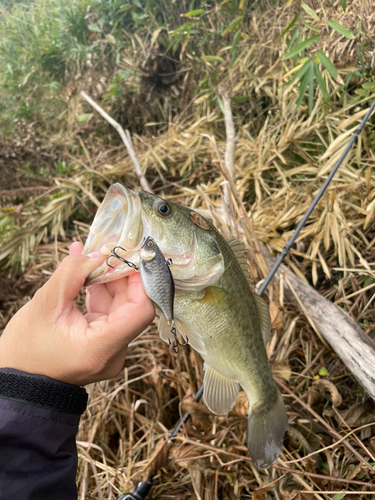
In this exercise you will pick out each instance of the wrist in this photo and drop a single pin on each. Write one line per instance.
(43, 391)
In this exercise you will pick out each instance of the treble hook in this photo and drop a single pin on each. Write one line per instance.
(127, 262)
(176, 343)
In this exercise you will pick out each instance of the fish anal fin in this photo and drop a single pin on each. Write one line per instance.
(265, 318)
(238, 248)
(220, 393)
(265, 432)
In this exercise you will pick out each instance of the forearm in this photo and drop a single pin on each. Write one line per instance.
(39, 420)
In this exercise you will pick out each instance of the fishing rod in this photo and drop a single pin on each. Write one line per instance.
(143, 488)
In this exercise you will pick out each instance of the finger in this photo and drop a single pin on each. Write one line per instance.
(117, 287)
(98, 299)
(76, 248)
(128, 320)
(70, 276)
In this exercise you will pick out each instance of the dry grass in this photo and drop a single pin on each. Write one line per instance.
(282, 158)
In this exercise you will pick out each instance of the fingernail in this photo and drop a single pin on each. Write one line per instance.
(95, 255)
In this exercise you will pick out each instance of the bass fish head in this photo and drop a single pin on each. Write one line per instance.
(126, 218)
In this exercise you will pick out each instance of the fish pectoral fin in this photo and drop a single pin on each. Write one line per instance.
(265, 318)
(220, 393)
(193, 338)
(265, 431)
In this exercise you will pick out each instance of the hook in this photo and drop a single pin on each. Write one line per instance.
(127, 262)
(175, 345)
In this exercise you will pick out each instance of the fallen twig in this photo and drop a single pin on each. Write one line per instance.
(126, 139)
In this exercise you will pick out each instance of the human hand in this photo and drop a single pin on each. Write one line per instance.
(50, 336)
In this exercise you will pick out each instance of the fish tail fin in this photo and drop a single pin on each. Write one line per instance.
(266, 425)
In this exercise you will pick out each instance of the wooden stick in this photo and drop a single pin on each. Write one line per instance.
(355, 349)
(231, 136)
(126, 139)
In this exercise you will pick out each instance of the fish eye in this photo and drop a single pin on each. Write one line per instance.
(163, 208)
(150, 244)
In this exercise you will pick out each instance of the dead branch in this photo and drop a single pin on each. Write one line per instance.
(355, 349)
(231, 136)
(126, 139)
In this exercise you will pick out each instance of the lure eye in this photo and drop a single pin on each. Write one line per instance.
(164, 209)
(150, 244)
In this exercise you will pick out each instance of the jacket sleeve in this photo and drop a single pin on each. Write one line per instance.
(39, 420)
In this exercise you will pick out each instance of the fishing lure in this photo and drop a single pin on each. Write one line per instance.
(158, 283)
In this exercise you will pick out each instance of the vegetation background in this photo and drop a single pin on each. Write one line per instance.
(300, 78)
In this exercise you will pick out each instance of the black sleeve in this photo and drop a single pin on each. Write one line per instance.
(39, 420)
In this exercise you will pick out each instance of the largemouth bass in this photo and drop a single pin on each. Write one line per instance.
(214, 306)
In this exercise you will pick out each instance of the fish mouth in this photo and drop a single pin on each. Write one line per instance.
(117, 223)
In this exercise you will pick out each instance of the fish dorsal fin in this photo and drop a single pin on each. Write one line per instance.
(265, 318)
(220, 393)
(239, 250)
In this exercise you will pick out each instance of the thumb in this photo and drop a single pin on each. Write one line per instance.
(71, 274)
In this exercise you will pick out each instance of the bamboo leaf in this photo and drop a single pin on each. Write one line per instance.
(300, 47)
(301, 71)
(329, 66)
(290, 25)
(236, 22)
(194, 13)
(310, 12)
(310, 81)
(212, 59)
(321, 82)
(310, 26)
(339, 496)
(343, 5)
(340, 29)
(302, 90)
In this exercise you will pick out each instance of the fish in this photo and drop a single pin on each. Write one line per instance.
(157, 278)
(214, 306)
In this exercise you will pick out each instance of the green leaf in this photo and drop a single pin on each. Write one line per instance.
(310, 81)
(290, 25)
(84, 117)
(302, 89)
(321, 82)
(94, 27)
(236, 22)
(300, 47)
(343, 5)
(124, 9)
(343, 31)
(180, 28)
(233, 49)
(310, 26)
(368, 85)
(301, 71)
(194, 13)
(140, 18)
(329, 66)
(240, 99)
(310, 12)
(323, 372)
(213, 59)
(339, 496)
